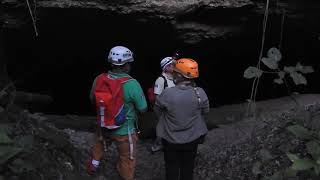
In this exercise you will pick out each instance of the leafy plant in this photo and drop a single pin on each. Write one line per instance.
(10, 151)
(272, 62)
(312, 142)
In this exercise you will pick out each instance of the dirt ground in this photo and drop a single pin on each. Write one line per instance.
(228, 146)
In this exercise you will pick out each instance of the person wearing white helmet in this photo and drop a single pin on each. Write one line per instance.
(134, 102)
(164, 81)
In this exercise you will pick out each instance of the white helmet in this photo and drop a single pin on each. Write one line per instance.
(120, 55)
(165, 61)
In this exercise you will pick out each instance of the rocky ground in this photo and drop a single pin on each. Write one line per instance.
(229, 152)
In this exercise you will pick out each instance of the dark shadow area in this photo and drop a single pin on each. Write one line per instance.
(70, 51)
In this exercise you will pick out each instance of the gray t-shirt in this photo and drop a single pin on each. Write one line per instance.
(180, 114)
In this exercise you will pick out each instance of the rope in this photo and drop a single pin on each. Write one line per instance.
(33, 19)
(257, 79)
(282, 27)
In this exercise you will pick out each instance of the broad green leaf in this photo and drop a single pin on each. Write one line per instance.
(304, 69)
(270, 63)
(298, 78)
(307, 69)
(289, 69)
(313, 148)
(20, 166)
(292, 157)
(275, 54)
(278, 81)
(7, 153)
(302, 164)
(252, 72)
(317, 169)
(256, 168)
(265, 155)
(25, 142)
(4, 138)
(300, 132)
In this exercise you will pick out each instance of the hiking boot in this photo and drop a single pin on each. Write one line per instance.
(156, 147)
(91, 168)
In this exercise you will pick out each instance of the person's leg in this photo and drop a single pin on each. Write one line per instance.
(171, 158)
(157, 145)
(125, 165)
(188, 154)
(96, 156)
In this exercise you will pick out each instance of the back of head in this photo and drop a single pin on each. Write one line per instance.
(187, 67)
(165, 62)
(119, 55)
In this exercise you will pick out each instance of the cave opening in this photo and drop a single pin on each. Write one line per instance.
(70, 51)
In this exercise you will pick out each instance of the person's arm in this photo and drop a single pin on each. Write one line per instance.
(158, 86)
(91, 95)
(205, 105)
(93, 101)
(159, 105)
(138, 97)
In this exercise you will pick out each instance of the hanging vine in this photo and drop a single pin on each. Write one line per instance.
(272, 60)
(33, 15)
(257, 78)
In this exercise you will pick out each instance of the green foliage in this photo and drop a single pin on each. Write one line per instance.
(4, 139)
(302, 164)
(256, 168)
(252, 72)
(313, 148)
(311, 140)
(272, 62)
(298, 78)
(10, 151)
(265, 155)
(306, 148)
(274, 54)
(300, 132)
(7, 152)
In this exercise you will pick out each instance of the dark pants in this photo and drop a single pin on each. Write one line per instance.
(179, 160)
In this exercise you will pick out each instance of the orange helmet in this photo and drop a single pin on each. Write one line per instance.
(187, 67)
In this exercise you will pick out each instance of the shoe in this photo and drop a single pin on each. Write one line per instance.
(91, 169)
(156, 147)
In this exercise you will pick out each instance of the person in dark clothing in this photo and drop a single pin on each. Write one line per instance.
(181, 111)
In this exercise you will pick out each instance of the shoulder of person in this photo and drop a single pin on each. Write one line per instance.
(160, 80)
(132, 81)
(170, 90)
(201, 91)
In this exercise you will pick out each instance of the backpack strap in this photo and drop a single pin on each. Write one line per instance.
(165, 81)
(122, 79)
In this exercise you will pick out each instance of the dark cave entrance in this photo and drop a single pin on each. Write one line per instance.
(70, 51)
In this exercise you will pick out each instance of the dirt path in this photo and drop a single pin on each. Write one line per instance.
(234, 129)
